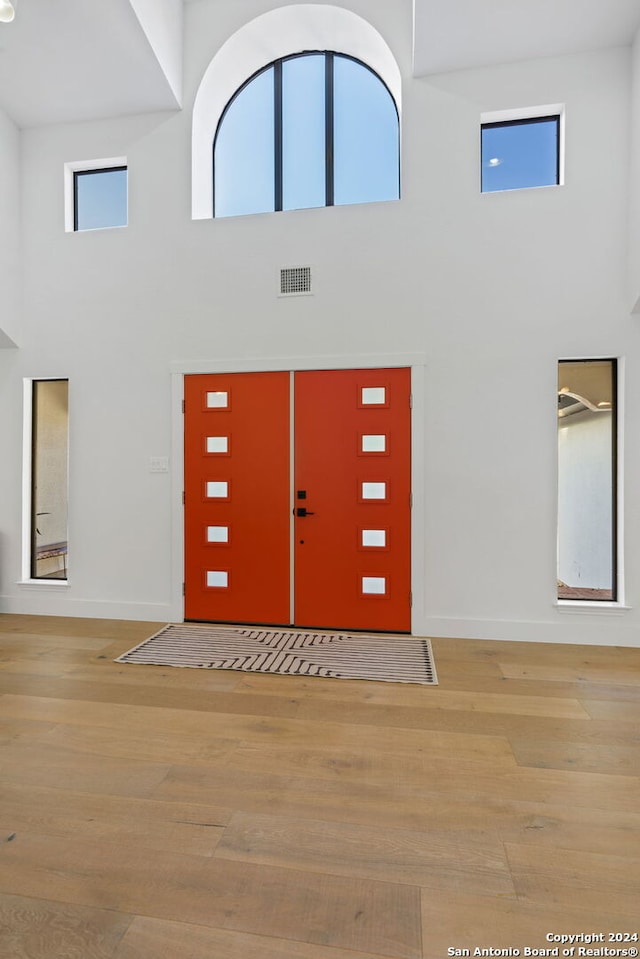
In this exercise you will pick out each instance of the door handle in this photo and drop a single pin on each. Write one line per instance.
(302, 511)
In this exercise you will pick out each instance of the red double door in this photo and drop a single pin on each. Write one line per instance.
(297, 498)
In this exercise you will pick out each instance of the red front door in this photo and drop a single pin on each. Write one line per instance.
(237, 513)
(336, 528)
(352, 463)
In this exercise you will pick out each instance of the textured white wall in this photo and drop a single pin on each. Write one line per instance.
(493, 289)
(10, 234)
(634, 169)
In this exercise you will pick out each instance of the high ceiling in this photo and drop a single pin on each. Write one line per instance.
(67, 60)
(460, 34)
(74, 60)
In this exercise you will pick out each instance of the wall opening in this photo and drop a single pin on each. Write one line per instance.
(587, 481)
(49, 539)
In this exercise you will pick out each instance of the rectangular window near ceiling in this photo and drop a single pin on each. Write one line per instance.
(516, 154)
(587, 443)
(100, 198)
(49, 479)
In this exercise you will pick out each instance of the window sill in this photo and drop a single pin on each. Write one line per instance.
(589, 606)
(55, 583)
(521, 189)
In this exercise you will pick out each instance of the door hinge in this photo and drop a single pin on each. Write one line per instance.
(410, 500)
(183, 589)
(183, 406)
(410, 401)
(184, 497)
(410, 599)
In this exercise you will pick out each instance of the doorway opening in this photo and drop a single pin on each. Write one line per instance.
(298, 498)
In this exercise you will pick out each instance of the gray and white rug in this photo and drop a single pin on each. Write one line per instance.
(392, 659)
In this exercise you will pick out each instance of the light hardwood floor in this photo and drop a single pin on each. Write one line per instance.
(148, 812)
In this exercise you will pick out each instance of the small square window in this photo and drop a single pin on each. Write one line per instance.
(517, 154)
(99, 198)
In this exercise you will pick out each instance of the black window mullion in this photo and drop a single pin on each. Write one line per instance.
(75, 202)
(328, 128)
(277, 132)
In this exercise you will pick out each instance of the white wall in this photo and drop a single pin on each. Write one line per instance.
(9, 232)
(161, 20)
(493, 289)
(634, 170)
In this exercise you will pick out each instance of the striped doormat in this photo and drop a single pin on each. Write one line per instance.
(392, 659)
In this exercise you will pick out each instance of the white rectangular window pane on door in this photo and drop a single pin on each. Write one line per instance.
(374, 537)
(374, 490)
(217, 534)
(217, 578)
(374, 585)
(373, 395)
(374, 443)
(217, 444)
(217, 490)
(217, 400)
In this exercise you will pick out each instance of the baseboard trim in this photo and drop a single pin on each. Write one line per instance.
(608, 628)
(41, 601)
(609, 631)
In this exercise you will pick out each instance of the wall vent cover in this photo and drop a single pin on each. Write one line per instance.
(295, 280)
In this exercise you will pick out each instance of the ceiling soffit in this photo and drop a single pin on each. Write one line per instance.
(72, 60)
(462, 34)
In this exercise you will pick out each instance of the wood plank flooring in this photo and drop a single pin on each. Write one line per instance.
(148, 812)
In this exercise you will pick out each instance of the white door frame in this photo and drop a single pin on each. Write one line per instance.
(364, 361)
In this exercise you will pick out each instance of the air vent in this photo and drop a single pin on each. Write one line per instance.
(295, 281)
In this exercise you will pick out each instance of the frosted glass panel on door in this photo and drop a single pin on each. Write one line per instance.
(373, 395)
(374, 585)
(374, 490)
(217, 534)
(217, 444)
(374, 443)
(218, 578)
(217, 400)
(217, 490)
(374, 537)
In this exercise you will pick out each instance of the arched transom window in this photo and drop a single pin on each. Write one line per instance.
(314, 129)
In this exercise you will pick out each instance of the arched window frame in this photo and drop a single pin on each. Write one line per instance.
(268, 37)
(329, 158)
